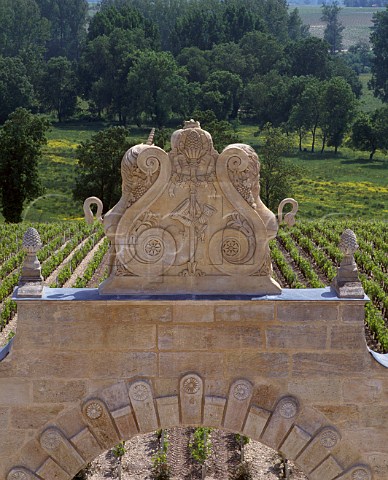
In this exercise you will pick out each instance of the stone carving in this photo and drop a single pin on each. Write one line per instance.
(191, 213)
(288, 407)
(94, 410)
(346, 283)
(31, 280)
(242, 391)
(361, 474)
(139, 392)
(191, 385)
(51, 439)
(19, 474)
(329, 438)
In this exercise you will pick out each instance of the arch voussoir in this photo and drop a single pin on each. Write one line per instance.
(132, 407)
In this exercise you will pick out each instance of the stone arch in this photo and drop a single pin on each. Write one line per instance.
(133, 407)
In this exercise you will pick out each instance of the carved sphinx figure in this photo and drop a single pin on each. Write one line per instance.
(190, 221)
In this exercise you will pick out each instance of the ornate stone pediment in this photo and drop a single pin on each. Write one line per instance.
(190, 221)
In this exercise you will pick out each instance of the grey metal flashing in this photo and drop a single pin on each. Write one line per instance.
(92, 294)
(381, 358)
(4, 351)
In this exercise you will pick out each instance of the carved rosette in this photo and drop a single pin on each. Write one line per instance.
(242, 390)
(329, 438)
(51, 439)
(191, 385)
(93, 409)
(361, 473)
(288, 407)
(139, 391)
(20, 473)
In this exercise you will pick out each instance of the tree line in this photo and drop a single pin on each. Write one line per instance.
(148, 61)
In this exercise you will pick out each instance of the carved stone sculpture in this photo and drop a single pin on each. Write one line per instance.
(190, 221)
(31, 280)
(346, 283)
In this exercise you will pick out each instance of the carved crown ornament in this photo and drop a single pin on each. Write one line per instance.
(190, 221)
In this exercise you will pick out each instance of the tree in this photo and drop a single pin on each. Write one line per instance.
(98, 169)
(309, 57)
(276, 174)
(21, 140)
(221, 131)
(67, 26)
(334, 28)
(370, 132)
(16, 89)
(379, 40)
(58, 87)
(221, 93)
(338, 110)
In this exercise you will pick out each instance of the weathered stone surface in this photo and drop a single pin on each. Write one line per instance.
(281, 421)
(191, 312)
(86, 444)
(125, 422)
(300, 337)
(316, 391)
(208, 338)
(15, 391)
(33, 417)
(255, 423)
(254, 312)
(173, 364)
(318, 449)
(191, 395)
(330, 364)
(142, 401)
(257, 364)
(299, 312)
(213, 411)
(347, 416)
(330, 469)
(100, 422)
(48, 391)
(4, 418)
(296, 440)
(240, 395)
(168, 410)
(344, 337)
(52, 471)
(123, 365)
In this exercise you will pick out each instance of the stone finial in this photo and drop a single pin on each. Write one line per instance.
(346, 283)
(31, 280)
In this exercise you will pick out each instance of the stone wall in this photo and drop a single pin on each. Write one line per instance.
(292, 371)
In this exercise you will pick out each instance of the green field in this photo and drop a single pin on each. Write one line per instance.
(357, 22)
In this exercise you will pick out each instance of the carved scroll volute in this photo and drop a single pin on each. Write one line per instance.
(149, 160)
(232, 161)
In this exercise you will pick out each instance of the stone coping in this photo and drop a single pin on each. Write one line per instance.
(92, 294)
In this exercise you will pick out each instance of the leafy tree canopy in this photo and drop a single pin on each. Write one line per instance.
(379, 40)
(21, 139)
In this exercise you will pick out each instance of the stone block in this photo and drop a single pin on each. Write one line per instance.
(281, 421)
(296, 440)
(120, 365)
(187, 337)
(140, 314)
(139, 336)
(251, 312)
(255, 423)
(329, 469)
(51, 364)
(311, 312)
(345, 337)
(100, 422)
(14, 391)
(296, 337)
(86, 444)
(318, 449)
(21, 472)
(173, 364)
(213, 411)
(364, 390)
(4, 418)
(316, 391)
(374, 416)
(61, 450)
(343, 416)
(168, 410)
(191, 395)
(359, 472)
(11, 443)
(125, 422)
(142, 402)
(328, 364)
(240, 395)
(191, 313)
(115, 396)
(257, 364)
(70, 421)
(32, 455)
(28, 417)
(266, 395)
(50, 470)
(52, 391)
(352, 313)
